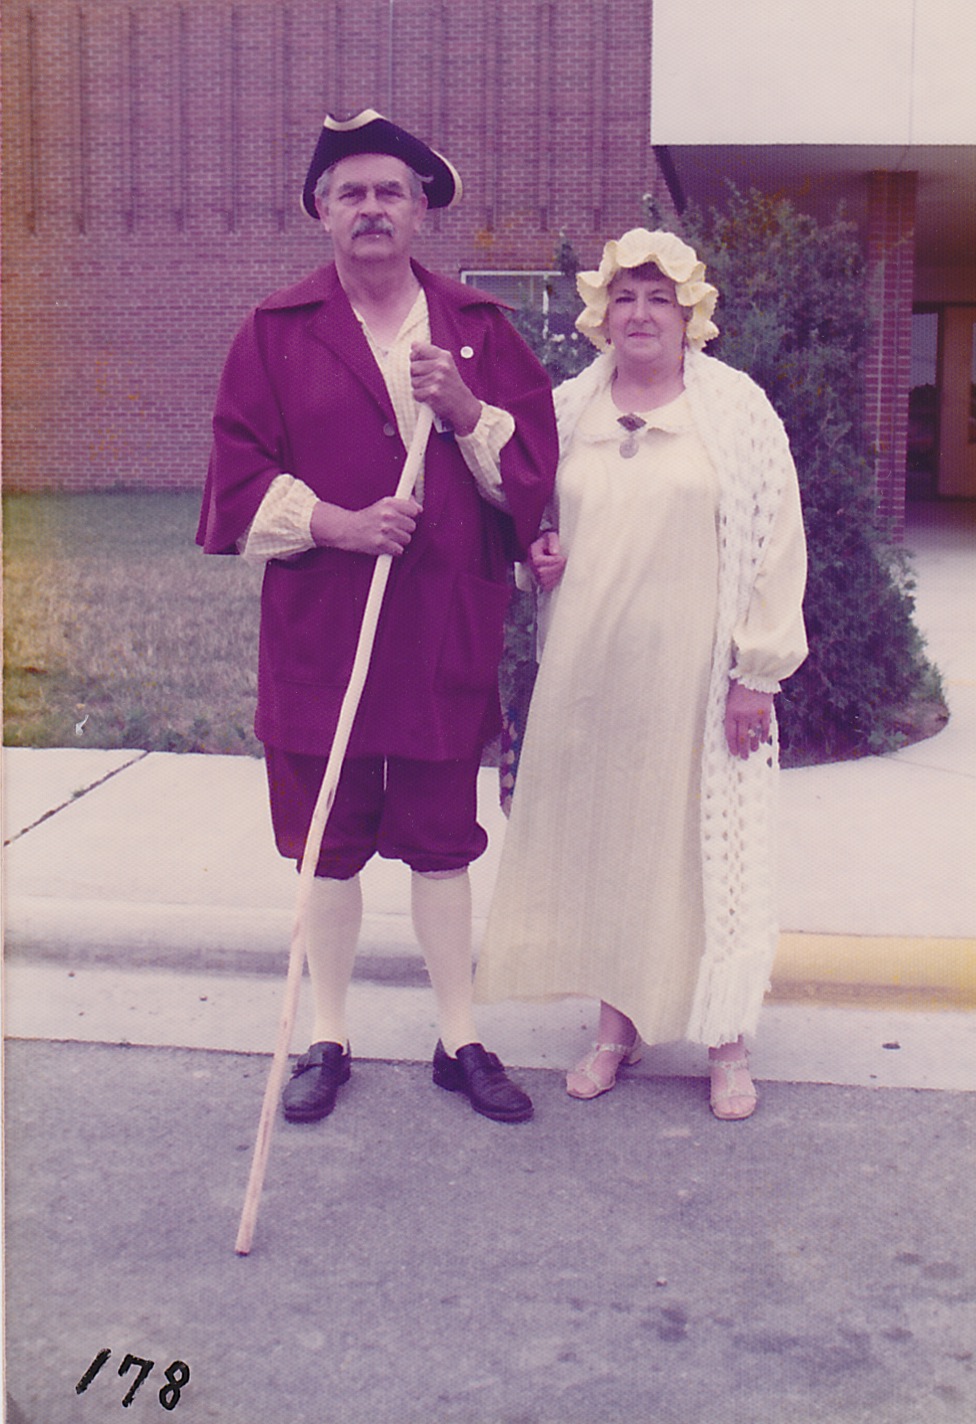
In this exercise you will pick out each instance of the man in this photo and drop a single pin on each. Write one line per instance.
(315, 410)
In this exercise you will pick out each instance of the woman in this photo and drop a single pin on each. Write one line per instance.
(636, 866)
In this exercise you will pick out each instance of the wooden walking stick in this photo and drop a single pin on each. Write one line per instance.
(313, 844)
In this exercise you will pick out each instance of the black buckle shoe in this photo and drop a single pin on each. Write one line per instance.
(315, 1080)
(480, 1075)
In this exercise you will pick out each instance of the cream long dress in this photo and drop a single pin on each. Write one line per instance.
(599, 892)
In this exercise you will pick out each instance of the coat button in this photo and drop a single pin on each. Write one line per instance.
(467, 352)
(389, 429)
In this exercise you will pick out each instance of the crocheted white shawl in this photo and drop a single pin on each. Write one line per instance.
(747, 444)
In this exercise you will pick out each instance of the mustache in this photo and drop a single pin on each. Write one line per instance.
(365, 226)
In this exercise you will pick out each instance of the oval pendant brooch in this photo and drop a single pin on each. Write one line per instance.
(631, 423)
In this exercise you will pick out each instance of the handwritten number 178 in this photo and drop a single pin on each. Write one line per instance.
(177, 1375)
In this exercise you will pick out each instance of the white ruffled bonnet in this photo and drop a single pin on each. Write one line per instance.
(674, 258)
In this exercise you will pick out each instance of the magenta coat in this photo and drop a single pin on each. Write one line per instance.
(302, 395)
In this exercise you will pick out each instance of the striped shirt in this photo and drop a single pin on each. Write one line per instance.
(282, 526)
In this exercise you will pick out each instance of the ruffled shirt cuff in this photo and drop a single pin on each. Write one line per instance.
(282, 527)
(482, 451)
(770, 640)
(525, 579)
(755, 682)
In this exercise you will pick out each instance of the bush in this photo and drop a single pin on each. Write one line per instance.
(553, 337)
(793, 312)
(552, 334)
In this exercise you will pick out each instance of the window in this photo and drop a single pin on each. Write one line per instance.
(551, 293)
(923, 406)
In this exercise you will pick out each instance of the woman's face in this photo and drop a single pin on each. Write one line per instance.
(645, 321)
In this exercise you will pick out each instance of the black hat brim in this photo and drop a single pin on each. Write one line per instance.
(370, 132)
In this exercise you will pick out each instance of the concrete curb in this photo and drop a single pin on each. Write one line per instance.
(216, 939)
(860, 970)
(857, 970)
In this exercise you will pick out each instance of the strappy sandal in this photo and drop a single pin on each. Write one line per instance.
(733, 1093)
(585, 1082)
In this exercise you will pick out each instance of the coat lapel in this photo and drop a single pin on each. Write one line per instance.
(334, 324)
(448, 328)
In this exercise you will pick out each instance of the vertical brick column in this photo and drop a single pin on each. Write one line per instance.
(891, 269)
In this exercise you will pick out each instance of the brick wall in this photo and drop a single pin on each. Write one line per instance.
(890, 241)
(154, 155)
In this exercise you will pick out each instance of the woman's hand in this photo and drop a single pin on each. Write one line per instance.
(546, 560)
(747, 717)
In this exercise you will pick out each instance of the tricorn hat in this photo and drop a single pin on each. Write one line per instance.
(370, 132)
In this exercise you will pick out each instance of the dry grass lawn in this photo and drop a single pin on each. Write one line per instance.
(118, 632)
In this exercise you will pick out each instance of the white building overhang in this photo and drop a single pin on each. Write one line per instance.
(806, 100)
(819, 177)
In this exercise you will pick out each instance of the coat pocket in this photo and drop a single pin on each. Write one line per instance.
(473, 639)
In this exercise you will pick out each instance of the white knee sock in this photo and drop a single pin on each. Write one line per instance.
(333, 918)
(442, 923)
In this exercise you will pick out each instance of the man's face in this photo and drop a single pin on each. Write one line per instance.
(370, 213)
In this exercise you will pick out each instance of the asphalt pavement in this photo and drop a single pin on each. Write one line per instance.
(629, 1259)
